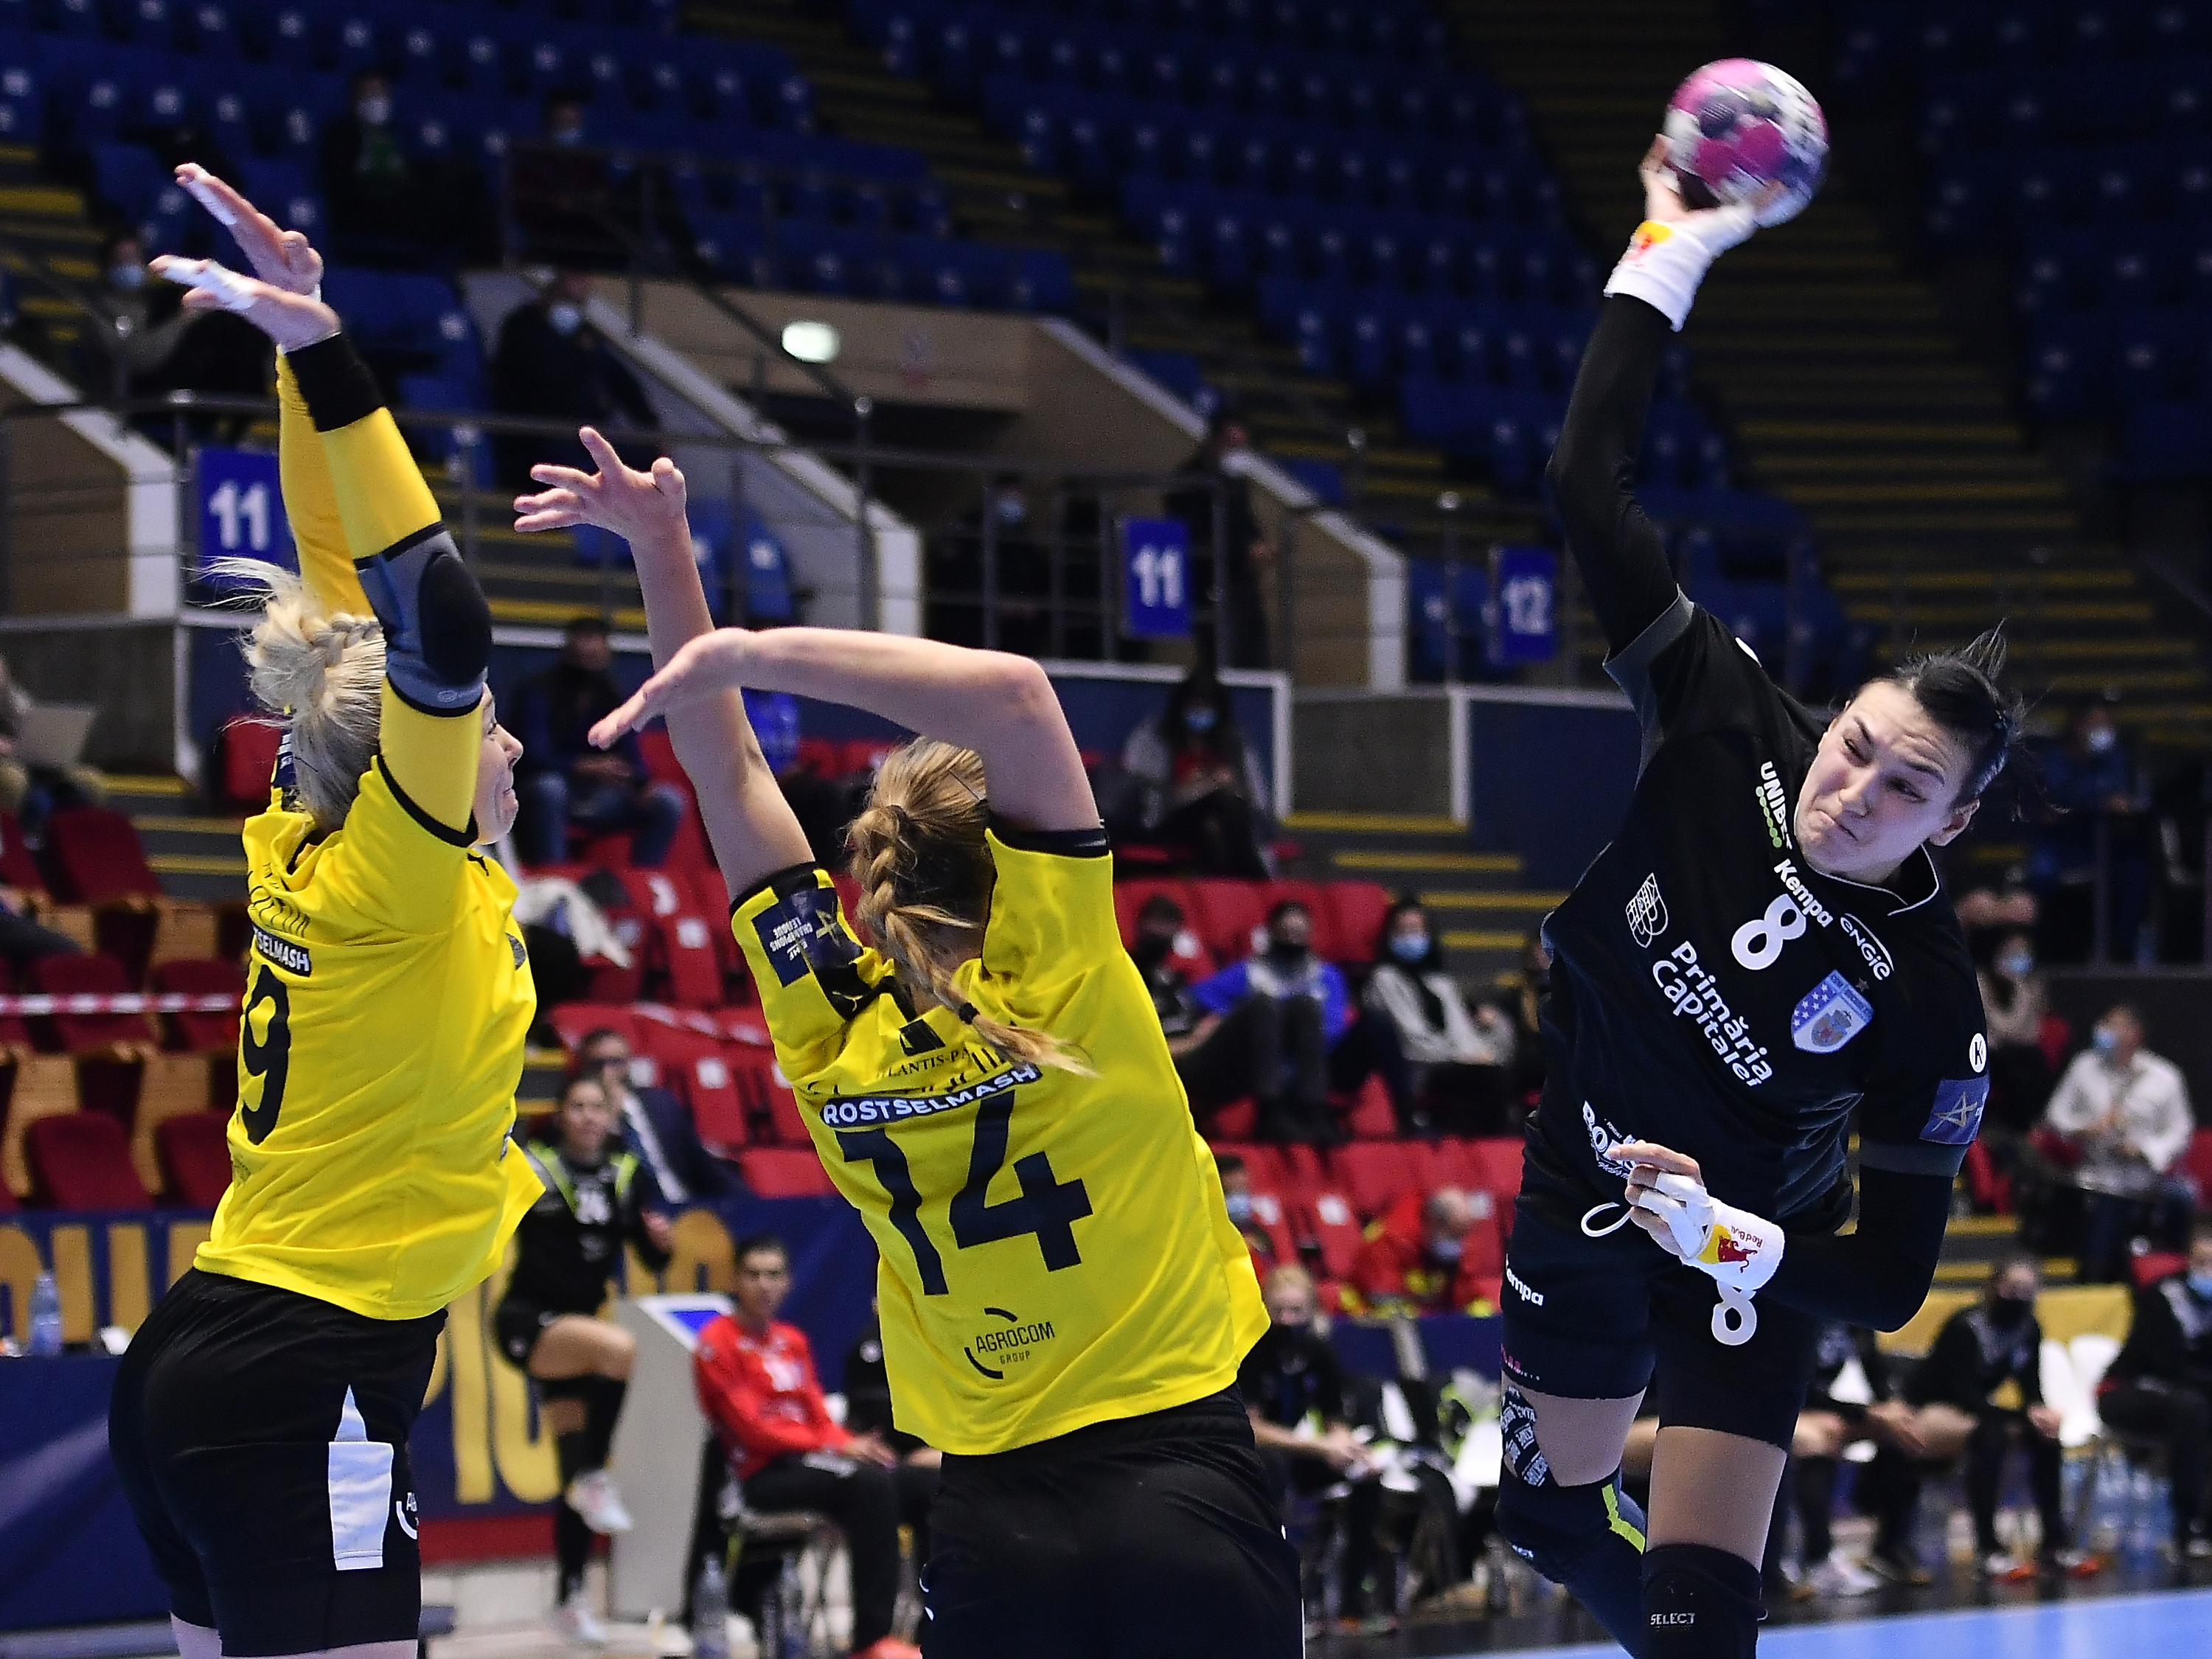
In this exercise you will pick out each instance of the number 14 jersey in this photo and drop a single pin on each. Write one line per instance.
(1054, 1248)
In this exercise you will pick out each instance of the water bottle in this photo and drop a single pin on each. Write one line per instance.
(2140, 1548)
(45, 1316)
(710, 1614)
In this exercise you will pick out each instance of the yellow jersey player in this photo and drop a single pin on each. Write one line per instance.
(261, 1418)
(1063, 1300)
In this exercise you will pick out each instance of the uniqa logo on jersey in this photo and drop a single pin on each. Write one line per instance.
(1647, 912)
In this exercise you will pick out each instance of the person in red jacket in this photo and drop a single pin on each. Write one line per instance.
(756, 1380)
(1424, 1256)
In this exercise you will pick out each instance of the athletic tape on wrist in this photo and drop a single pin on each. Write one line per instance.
(1665, 262)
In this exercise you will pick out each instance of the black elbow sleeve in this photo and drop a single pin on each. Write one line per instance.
(437, 624)
(456, 623)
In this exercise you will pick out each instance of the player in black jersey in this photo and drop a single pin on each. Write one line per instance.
(596, 1197)
(1762, 957)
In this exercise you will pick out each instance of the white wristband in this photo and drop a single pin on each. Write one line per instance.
(1665, 262)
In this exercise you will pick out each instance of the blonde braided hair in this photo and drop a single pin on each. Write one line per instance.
(323, 672)
(925, 875)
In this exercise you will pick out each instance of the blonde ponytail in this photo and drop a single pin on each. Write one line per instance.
(323, 673)
(917, 851)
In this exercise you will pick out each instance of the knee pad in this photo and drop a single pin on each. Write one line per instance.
(1588, 1538)
(1698, 1603)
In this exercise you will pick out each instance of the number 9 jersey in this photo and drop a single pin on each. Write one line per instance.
(1054, 1248)
(388, 1000)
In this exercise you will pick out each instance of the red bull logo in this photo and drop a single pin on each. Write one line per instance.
(1724, 1247)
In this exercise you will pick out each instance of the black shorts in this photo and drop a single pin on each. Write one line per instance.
(517, 1325)
(261, 1438)
(1594, 1318)
(1155, 1537)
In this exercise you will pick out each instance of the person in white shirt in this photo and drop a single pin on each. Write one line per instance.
(2125, 1110)
(1445, 1068)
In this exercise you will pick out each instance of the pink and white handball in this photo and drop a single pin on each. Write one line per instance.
(1736, 126)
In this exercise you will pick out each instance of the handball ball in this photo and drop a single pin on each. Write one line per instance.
(1736, 126)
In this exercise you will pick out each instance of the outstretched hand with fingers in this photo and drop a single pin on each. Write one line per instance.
(283, 258)
(636, 506)
(704, 666)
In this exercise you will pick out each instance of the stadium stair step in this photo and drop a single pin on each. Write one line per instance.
(995, 198)
(196, 854)
(44, 220)
(1850, 395)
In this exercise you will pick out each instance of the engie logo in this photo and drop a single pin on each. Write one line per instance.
(1875, 952)
(1647, 912)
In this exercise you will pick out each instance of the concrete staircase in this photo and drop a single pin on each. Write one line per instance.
(1848, 395)
(50, 222)
(1121, 291)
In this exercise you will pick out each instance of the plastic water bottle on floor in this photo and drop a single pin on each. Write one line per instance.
(45, 1316)
(710, 1614)
(2140, 1548)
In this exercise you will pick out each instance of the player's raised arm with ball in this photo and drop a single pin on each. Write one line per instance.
(1761, 961)
(1064, 1301)
(260, 1419)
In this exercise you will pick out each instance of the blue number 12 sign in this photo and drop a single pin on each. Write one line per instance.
(1155, 579)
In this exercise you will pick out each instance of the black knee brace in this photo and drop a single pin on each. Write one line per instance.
(1698, 1603)
(1588, 1538)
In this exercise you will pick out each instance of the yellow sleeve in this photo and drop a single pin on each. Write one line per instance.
(814, 976)
(394, 861)
(381, 501)
(1052, 920)
(310, 504)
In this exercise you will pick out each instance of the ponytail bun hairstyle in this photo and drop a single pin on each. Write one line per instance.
(1960, 691)
(925, 875)
(323, 673)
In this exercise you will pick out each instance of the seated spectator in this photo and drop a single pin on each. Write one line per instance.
(1199, 785)
(1217, 469)
(29, 788)
(1294, 1388)
(1526, 1010)
(1237, 1194)
(823, 807)
(1280, 1012)
(656, 1129)
(868, 1410)
(2124, 1112)
(2159, 1386)
(1414, 1260)
(551, 364)
(1827, 1426)
(152, 346)
(2087, 780)
(1979, 1393)
(388, 208)
(566, 782)
(756, 1386)
(2015, 1000)
(1157, 950)
(561, 194)
(1445, 1068)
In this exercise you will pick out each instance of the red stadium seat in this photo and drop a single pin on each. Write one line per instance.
(693, 1066)
(18, 869)
(1273, 1216)
(1991, 1192)
(93, 976)
(1304, 1174)
(201, 1033)
(1371, 1116)
(628, 916)
(1359, 907)
(822, 757)
(2197, 1164)
(769, 1101)
(1327, 943)
(1497, 1157)
(2154, 1264)
(784, 1172)
(862, 756)
(660, 756)
(1238, 1120)
(195, 1157)
(81, 1161)
(248, 745)
(1263, 1163)
(97, 858)
(1330, 1221)
(1377, 1174)
(1130, 897)
(683, 944)
(574, 1021)
(1228, 914)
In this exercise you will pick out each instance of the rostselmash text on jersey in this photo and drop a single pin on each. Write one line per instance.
(851, 1114)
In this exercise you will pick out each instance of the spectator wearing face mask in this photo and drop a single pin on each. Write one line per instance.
(2160, 1386)
(1982, 1383)
(1415, 1258)
(2089, 782)
(1445, 1067)
(2015, 1002)
(389, 207)
(1164, 952)
(1280, 1012)
(146, 344)
(1236, 1195)
(564, 782)
(1294, 1388)
(551, 364)
(2124, 1112)
(1201, 786)
(1217, 471)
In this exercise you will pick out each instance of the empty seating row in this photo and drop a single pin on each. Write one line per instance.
(1881, 43)
(2123, 190)
(85, 1161)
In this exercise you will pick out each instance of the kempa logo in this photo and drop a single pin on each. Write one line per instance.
(1803, 893)
(1647, 912)
(1534, 1298)
(1010, 1347)
(1773, 806)
(1875, 952)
